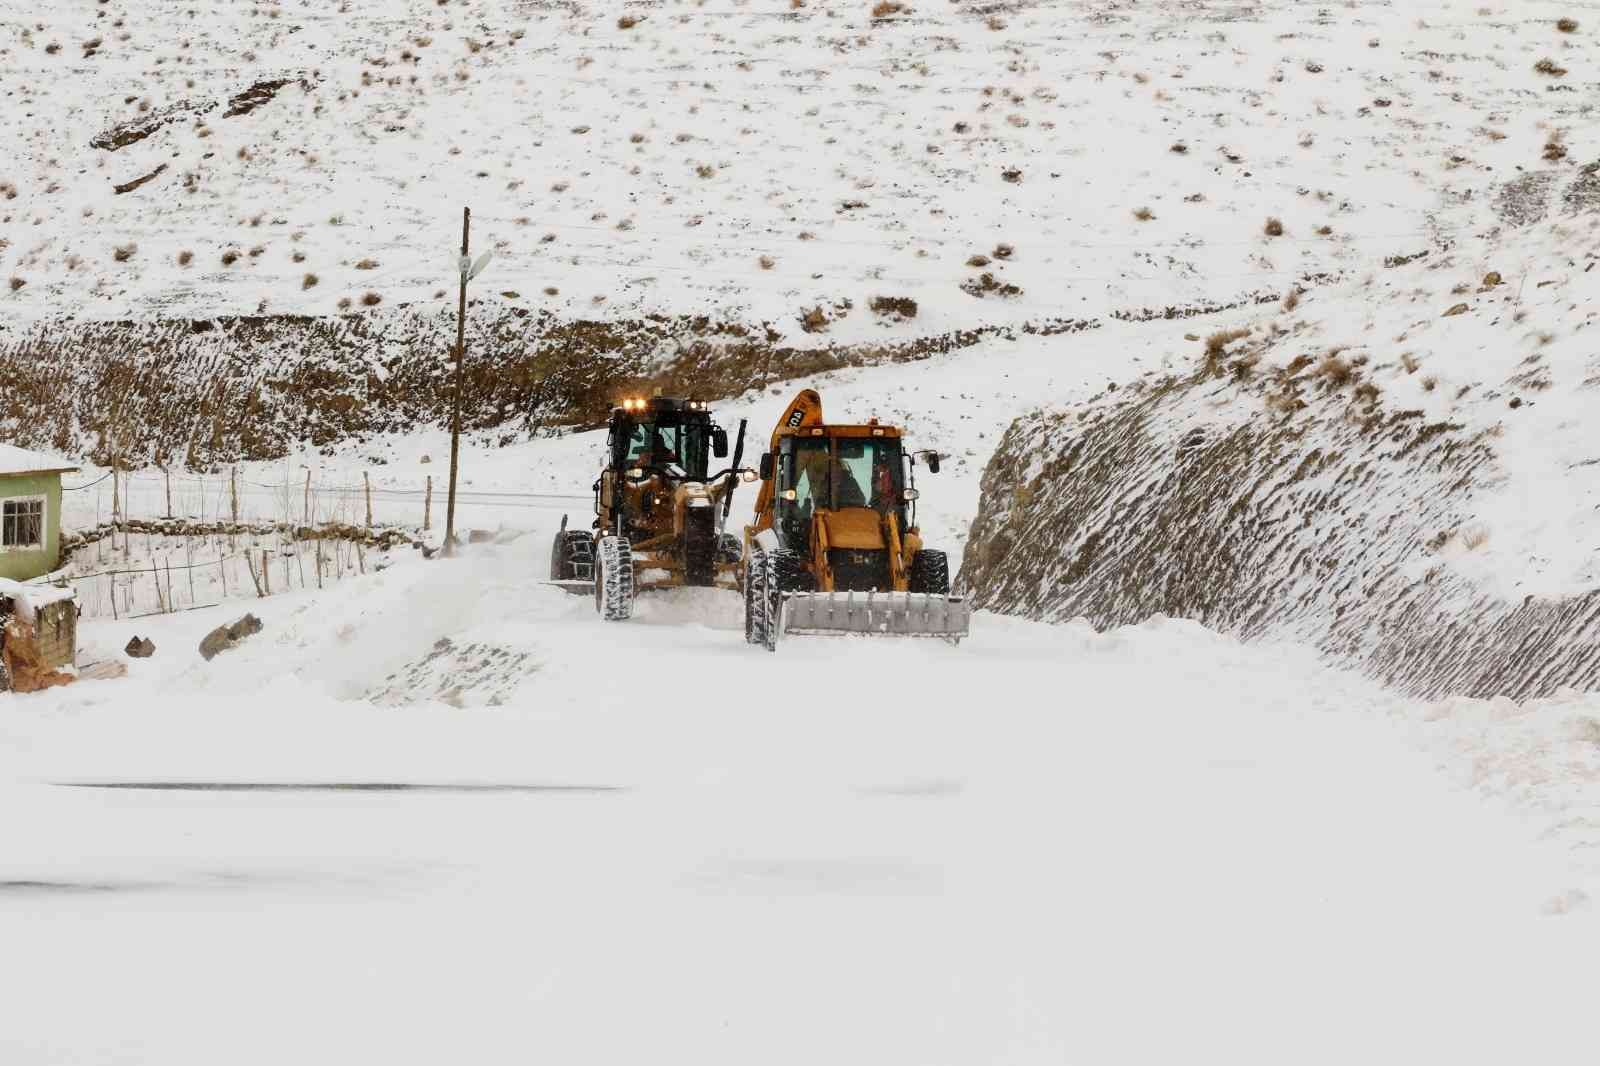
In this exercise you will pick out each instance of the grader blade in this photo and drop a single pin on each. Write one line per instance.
(908, 614)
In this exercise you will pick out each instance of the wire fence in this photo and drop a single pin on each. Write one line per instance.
(138, 543)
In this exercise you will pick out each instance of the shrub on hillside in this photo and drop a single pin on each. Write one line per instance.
(124, 252)
(1567, 25)
(894, 306)
(1273, 228)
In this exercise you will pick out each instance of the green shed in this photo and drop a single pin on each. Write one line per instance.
(30, 512)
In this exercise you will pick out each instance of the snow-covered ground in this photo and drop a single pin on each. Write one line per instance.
(651, 840)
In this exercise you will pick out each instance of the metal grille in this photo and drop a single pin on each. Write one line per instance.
(859, 570)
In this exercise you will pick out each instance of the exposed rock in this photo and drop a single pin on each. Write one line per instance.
(259, 93)
(140, 648)
(129, 186)
(223, 638)
(135, 130)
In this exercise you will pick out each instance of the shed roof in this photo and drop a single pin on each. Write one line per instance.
(20, 461)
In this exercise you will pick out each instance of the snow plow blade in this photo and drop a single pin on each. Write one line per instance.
(906, 614)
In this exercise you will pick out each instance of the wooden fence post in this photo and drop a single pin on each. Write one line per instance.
(427, 506)
(308, 495)
(367, 481)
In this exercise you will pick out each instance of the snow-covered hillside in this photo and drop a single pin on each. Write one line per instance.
(753, 160)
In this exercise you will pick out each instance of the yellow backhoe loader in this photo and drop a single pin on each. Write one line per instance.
(834, 547)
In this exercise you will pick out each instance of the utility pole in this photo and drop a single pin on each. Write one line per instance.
(469, 270)
(455, 400)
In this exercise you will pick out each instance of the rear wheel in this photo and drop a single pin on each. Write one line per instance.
(572, 556)
(613, 579)
(930, 573)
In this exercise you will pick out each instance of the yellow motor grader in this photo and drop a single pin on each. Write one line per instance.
(835, 547)
(659, 516)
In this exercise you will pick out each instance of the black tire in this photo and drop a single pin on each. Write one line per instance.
(755, 597)
(930, 573)
(572, 556)
(613, 579)
(729, 550)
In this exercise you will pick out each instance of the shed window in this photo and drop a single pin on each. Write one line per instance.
(22, 523)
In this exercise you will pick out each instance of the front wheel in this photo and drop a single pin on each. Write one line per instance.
(756, 614)
(613, 579)
(930, 573)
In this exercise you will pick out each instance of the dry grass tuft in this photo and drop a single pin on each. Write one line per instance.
(16, 283)
(627, 22)
(1217, 347)
(1273, 227)
(767, 262)
(344, 303)
(1291, 300)
(124, 252)
(900, 307)
(309, 281)
(185, 257)
(1567, 25)
(1336, 370)
(1554, 148)
(371, 299)
(1549, 68)
(978, 261)
(1409, 361)
(1474, 536)
(887, 9)
(1143, 214)
(1004, 251)
(815, 320)
(367, 264)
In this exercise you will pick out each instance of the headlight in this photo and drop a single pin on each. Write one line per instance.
(699, 501)
(748, 476)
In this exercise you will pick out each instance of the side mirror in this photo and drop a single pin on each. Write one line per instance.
(766, 467)
(933, 462)
(719, 442)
